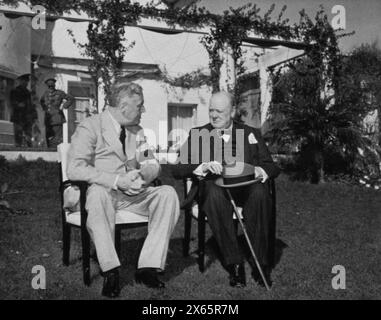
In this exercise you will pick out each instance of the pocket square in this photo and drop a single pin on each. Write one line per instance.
(252, 139)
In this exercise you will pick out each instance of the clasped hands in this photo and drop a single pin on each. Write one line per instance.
(134, 181)
(131, 183)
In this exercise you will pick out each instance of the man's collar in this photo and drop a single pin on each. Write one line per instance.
(115, 123)
(226, 133)
(230, 127)
(227, 130)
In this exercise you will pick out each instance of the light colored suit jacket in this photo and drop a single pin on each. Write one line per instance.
(96, 153)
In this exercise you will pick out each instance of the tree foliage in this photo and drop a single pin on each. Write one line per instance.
(332, 125)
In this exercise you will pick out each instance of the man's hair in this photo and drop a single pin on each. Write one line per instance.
(120, 90)
(225, 94)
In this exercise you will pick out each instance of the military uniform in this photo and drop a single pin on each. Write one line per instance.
(23, 114)
(54, 119)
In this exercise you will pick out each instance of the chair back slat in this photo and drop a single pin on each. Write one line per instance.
(63, 152)
(188, 185)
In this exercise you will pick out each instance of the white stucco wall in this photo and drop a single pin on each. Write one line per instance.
(197, 96)
(177, 54)
(15, 44)
(157, 96)
(55, 40)
(154, 120)
(62, 42)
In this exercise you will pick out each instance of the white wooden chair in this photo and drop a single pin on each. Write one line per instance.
(124, 218)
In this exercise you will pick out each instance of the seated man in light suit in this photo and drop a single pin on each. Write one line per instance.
(108, 151)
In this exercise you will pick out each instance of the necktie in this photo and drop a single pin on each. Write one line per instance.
(122, 138)
(226, 136)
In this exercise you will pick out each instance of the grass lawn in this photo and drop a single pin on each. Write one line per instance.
(319, 226)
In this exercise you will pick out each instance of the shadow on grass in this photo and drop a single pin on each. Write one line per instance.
(280, 245)
(130, 251)
(214, 253)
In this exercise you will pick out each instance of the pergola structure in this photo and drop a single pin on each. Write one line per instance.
(269, 53)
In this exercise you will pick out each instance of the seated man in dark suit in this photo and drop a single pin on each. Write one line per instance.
(207, 149)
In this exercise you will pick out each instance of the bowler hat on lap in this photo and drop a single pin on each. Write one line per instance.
(237, 174)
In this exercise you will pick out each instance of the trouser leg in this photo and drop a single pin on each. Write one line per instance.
(161, 204)
(220, 217)
(18, 134)
(101, 225)
(27, 129)
(56, 139)
(257, 218)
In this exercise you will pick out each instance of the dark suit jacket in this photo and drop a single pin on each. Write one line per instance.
(51, 103)
(254, 150)
(23, 112)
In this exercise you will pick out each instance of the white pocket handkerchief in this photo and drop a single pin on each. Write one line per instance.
(252, 139)
(226, 138)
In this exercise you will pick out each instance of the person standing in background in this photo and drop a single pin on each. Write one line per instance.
(23, 113)
(52, 103)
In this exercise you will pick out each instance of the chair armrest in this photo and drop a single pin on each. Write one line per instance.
(191, 195)
(182, 171)
(82, 185)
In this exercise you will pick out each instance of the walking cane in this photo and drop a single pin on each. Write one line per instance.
(247, 239)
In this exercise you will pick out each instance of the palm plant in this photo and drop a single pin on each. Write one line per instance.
(317, 125)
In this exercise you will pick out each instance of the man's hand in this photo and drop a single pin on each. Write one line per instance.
(126, 180)
(149, 171)
(261, 174)
(136, 187)
(213, 166)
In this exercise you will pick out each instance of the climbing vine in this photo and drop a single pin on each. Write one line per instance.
(107, 44)
(194, 79)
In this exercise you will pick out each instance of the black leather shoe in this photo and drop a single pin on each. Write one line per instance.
(111, 284)
(148, 276)
(237, 276)
(258, 279)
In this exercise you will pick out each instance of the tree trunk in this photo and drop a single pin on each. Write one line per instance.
(321, 173)
(316, 164)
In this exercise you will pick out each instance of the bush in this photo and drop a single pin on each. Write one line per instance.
(23, 174)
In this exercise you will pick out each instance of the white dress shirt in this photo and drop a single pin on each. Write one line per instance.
(118, 129)
(141, 148)
(259, 171)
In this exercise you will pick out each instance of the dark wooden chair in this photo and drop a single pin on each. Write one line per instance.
(193, 195)
(124, 219)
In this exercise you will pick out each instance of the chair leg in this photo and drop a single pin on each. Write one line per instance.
(187, 232)
(272, 231)
(66, 244)
(85, 256)
(201, 241)
(118, 232)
